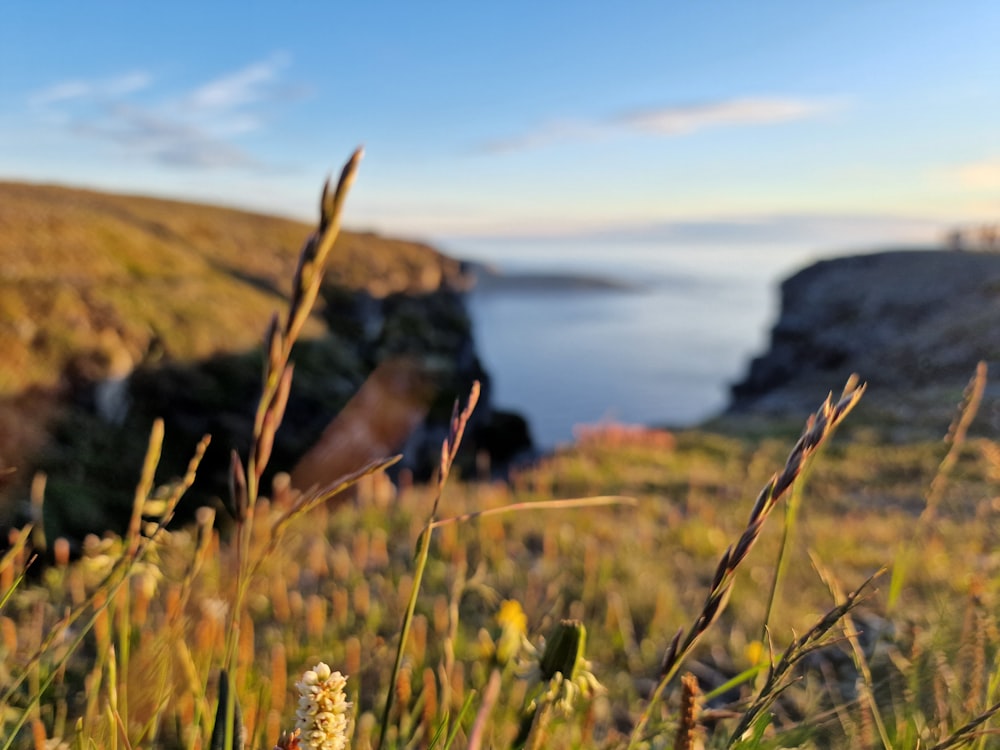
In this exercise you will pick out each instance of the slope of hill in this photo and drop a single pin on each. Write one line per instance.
(77, 265)
(116, 309)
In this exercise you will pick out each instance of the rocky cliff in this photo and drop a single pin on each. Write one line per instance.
(115, 310)
(913, 323)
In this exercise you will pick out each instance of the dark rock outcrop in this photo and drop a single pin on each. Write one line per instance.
(912, 323)
(94, 461)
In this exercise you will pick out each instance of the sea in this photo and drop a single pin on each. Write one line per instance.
(660, 344)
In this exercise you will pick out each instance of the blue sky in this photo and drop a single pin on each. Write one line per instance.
(519, 119)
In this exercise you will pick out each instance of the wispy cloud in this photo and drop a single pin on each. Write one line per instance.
(840, 228)
(667, 121)
(980, 175)
(164, 140)
(681, 120)
(255, 83)
(546, 134)
(99, 89)
(198, 128)
(777, 230)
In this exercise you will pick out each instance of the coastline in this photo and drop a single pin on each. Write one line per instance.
(677, 352)
(575, 349)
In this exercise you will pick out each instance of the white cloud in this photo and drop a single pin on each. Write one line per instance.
(245, 86)
(685, 119)
(163, 139)
(193, 129)
(981, 175)
(553, 132)
(127, 84)
(61, 92)
(66, 91)
(669, 121)
(818, 229)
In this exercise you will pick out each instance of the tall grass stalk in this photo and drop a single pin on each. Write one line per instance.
(788, 527)
(817, 429)
(8, 561)
(561, 504)
(779, 674)
(857, 652)
(103, 597)
(970, 731)
(277, 381)
(278, 343)
(449, 451)
(957, 432)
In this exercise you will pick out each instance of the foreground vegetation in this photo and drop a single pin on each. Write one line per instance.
(680, 604)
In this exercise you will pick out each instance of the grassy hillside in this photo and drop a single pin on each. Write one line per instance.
(95, 285)
(82, 271)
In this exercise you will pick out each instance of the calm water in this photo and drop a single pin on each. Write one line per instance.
(663, 353)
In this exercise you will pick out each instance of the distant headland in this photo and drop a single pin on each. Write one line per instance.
(913, 323)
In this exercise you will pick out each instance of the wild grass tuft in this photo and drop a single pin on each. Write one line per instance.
(817, 429)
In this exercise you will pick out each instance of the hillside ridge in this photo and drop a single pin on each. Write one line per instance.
(75, 256)
(118, 309)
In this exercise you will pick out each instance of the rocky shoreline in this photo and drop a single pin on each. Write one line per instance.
(912, 323)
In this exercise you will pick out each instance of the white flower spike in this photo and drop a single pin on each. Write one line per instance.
(324, 711)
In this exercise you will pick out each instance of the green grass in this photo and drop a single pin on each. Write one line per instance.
(182, 292)
(210, 276)
(336, 590)
(411, 593)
